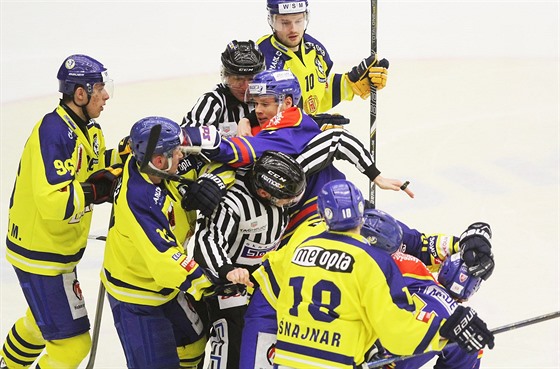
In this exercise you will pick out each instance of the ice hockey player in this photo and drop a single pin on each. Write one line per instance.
(314, 322)
(291, 47)
(64, 170)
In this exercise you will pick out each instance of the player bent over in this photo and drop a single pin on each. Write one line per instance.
(60, 176)
(320, 282)
(247, 224)
(435, 297)
(146, 270)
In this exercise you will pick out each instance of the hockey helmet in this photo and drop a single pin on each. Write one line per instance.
(454, 277)
(341, 204)
(242, 58)
(82, 70)
(277, 83)
(170, 138)
(286, 6)
(279, 175)
(382, 230)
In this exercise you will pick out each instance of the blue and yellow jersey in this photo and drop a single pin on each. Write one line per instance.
(321, 89)
(145, 261)
(48, 219)
(337, 296)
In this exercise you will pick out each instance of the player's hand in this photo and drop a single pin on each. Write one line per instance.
(467, 329)
(207, 137)
(330, 121)
(369, 71)
(240, 276)
(476, 250)
(100, 186)
(204, 194)
(124, 148)
(393, 184)
(244, 128)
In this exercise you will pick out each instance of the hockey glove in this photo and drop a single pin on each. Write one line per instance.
(468, 330)
(204, 194)
(476, 250)
(207, 137)
(124, 148)
(100, 186)
(369, 71)
(330, 121)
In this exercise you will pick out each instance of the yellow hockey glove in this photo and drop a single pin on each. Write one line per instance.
(368, 71)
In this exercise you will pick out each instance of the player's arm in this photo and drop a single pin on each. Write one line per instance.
(54, 167)
(214, 237)
(165, 258)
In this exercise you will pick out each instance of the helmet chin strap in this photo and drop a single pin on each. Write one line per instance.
(84, 107)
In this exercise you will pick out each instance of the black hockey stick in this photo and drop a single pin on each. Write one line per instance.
(146, 165)
(508, 327)
(98, 308)
(373, 98)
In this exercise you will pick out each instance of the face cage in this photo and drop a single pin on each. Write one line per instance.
(286, 203)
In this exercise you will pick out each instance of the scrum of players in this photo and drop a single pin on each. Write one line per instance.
(292, 268)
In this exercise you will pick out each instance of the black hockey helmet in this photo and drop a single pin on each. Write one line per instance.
(242, 58)
(279, 175)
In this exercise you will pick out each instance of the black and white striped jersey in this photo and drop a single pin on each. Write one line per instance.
(219, 108)
(239, 232)
(336, 143)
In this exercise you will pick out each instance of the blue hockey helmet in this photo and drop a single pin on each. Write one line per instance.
(341, 204)
(280, 175)
(382, 230)
(286, 6)
(242, 58)
(454, 277)
(82, 70)
(277, 83)
(170, 138)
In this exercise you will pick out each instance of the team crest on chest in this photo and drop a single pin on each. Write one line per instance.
(311, 104)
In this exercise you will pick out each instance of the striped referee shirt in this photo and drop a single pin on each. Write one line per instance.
(219, 108)
(336, 143)
(239, 232)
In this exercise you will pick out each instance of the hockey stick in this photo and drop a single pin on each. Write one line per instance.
(373, 98)
(96, 237)
(96, 326)
(504, 328)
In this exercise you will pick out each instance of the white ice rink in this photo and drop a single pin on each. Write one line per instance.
(470, 116)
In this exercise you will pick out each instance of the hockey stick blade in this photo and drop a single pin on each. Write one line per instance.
(145, 166)
(509, 327)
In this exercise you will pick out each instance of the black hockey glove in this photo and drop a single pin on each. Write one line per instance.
(467, 329)
(329, 121)
(476, 250)
(204, 194)
(100, 186)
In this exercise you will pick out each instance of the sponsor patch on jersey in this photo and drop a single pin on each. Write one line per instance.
(252, 252)
(176, 256)
(332, 260)
(187, 264)
(311, 104)
(252, 226)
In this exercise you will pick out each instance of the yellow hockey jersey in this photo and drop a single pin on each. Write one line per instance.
(337, 295)
(321, 90)
(48, 219)
(145, 261)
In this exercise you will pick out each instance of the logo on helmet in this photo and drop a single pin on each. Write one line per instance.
(70, 63)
